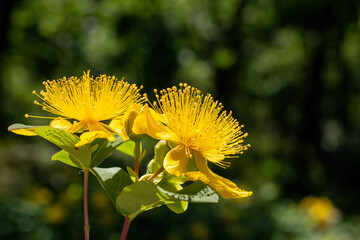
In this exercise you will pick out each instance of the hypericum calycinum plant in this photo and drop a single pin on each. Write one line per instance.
(192, 129)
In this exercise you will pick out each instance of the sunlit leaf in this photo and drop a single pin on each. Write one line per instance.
(104, 149)
(127, 148)
(173, 186)
(165, 180)
(195, 192)
(132, 174)
(64, 157)
(113, 180)
(140, 197)
(62, 139)
(160, 151)
(85, 157)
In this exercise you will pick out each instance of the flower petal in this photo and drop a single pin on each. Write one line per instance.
(24, 132)
(78, 126)
(175, 163)
(60, 123)
(97, 127)
(88, 137)
(117, 126)
(225, 187)
(148, 122)
(123, 125)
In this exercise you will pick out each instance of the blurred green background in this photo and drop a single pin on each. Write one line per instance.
(289, 71)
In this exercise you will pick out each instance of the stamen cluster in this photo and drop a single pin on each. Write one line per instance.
(200, 124)
(87, 99)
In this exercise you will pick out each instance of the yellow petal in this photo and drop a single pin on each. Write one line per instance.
(88, 137)
(117, 125)
(175, 163)
(123, 125)
(60, 123)
(97, 127)
(148, 122)
(223, 186)
(76, 127)
(24, 132)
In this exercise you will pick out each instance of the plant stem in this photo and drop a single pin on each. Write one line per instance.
(137, 154)
(125, 228)
(86, 212)
(156, 173)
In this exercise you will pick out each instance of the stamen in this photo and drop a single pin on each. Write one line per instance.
(32, 116)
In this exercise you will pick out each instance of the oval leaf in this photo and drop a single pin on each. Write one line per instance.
(62, 139)
(64, 157)
(112, 180)
(140, 197)
(101, 148)
(127, 148)
(195, 192)
(85, 157)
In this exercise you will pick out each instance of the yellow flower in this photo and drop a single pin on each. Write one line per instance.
(88, 101)
(320, 209)
(197, 129)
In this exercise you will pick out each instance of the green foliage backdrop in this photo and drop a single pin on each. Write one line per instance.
(289, 71)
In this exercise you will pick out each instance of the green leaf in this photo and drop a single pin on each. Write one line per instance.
(18, 126)
(178, 207)
(140, 197)
(86, 157)
(132, 174)
(165, 180)
(81, 156)
(160, 151)
(103, 149)
(196, 192)
(127, 148)
(112, 180)
(171, 183)
(64, 157)
(152, 167)
(173, 186)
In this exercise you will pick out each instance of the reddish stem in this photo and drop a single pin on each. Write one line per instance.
(86, 211)
(125, 228)
(136, 168)
(156, 173)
